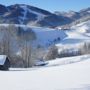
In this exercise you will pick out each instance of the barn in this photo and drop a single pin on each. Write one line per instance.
(4, 62)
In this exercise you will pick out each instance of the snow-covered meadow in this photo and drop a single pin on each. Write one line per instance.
(74, 76)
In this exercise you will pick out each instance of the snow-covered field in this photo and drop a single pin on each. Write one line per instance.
(75, 76)
(67, 60)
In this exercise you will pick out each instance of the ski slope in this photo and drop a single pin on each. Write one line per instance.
(75, 76)
(76, 37)
(47, 37)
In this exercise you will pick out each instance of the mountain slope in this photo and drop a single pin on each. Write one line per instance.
(75, 17)
(33, 16)
(26, 14)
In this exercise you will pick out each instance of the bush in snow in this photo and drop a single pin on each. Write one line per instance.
(52, 53)
(17, 61)
(85, 49)
(69, 53)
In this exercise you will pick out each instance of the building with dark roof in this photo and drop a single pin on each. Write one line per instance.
(4, 62)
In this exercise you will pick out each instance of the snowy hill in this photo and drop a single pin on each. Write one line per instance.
(75, 17)
(26, 14)
(34, 16)
(78, 35)
(83, 27)
(47, 37)
(74, 76)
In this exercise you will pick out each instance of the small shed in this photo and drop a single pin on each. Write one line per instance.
(4, 62)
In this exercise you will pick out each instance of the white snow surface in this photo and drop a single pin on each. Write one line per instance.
(83, 27)
(74, 76)
(76, 37)
(67, 60)
(47, 37)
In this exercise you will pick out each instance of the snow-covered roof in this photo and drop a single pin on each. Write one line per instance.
(2, 59)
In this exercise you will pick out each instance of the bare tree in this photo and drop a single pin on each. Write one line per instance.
(26, 37)
(8, 33)
(52, 53)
